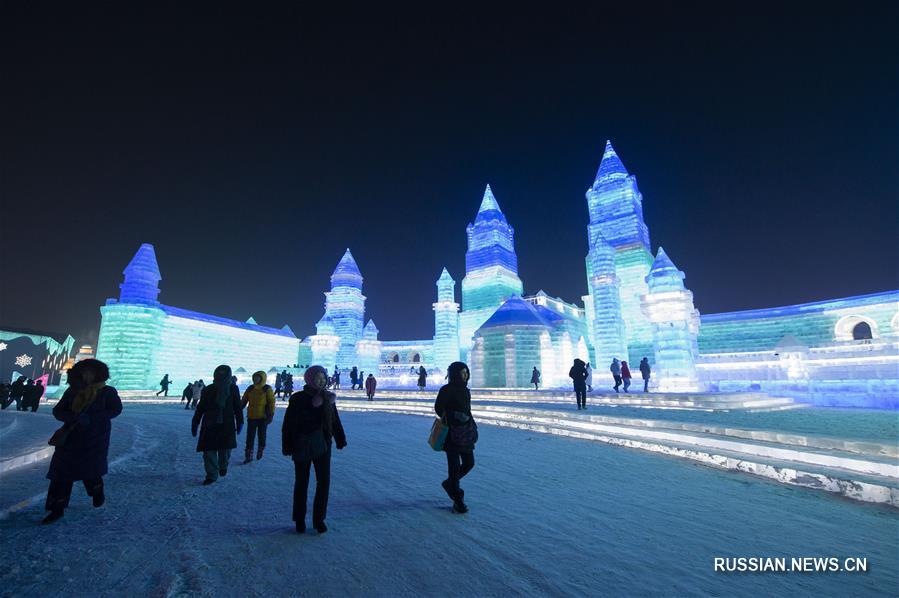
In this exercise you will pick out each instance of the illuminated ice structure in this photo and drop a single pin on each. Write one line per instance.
(141, 339)
(842, 351)
(675, 326)
(491, 269)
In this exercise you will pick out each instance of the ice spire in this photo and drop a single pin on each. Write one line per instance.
(611, 167)
(664, 275)
(370, 332)
(141, 284)
(489, 207)
(346, 273)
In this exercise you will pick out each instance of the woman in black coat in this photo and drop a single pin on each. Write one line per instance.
(86, 409)
(310, 422)
(219, 419)
(422, 377)
(453, 406)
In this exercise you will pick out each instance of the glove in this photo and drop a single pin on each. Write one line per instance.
(341, 445)
(84, 419)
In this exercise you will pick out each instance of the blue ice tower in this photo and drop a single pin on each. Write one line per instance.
(368, 349)
(345, 306)
(130, 326)
(325, 343)
(446, 322)
(491, 269)
(675, 327)
(609, 334)
(615, 206)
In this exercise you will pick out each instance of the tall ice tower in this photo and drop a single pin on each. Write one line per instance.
(130, 326)
(616, 214)
(345, 307)
(491, 269)
(446, 322)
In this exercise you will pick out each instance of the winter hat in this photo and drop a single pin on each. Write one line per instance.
(454, 372)
(309, 376)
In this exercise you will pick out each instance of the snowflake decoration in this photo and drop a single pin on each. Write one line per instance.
(3, 346)
(23, 360)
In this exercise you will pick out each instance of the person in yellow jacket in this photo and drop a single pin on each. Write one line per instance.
(259, 399)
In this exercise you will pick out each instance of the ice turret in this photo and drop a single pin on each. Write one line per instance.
(491, 267)
(615, 205)
(446, 322)
(370, 332)
(675, 326)
(141, 284)
(609, 338)
(345, 305)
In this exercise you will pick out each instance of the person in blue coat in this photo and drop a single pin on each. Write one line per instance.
(86, 410)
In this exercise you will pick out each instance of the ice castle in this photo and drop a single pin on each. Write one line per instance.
(842, 351)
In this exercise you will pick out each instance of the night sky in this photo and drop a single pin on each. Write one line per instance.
(251, 146)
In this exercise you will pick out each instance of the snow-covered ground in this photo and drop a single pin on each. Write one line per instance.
(549, 515)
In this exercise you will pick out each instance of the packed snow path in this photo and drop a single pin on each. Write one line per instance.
(549, 515)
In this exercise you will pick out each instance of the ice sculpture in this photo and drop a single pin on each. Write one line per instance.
(609, 340)
(345, 305)
(446, 322)
(491, 268)
(675, 326)
(615, 205)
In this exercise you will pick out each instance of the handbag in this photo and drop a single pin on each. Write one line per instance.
(438, 434)
(59, 436)
(309, 447)
(464, 436)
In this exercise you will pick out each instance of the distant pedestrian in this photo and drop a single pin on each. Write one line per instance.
(371, 384)
(354, 378)
(422, 377)
(535, 378)
(32, 397)
(645, 371)
(288, 385)
(625, 375)
(453, 406)
(259, 399)
(16, 390)
(615, 368)
(219, 420)
(310, 422)
(4, 396)
(589, 378)
(278, 383)
(82, 444)
(578, 375)
(164, 385)
(196, 392)
(188, 393)
(336, 378)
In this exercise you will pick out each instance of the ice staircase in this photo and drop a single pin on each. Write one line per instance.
(750, 401)
(862, 470)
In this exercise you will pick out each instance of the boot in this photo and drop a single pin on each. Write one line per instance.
(53, 516)
(247, 455)
(259, 452)
(98, 498)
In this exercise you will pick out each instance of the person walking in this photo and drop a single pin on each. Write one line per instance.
(196, 391)
(453, 407)
(578, 374)
(82, 444)
(422, 378)
(288, 385)
(219, 419)
(34, 394)
(336, 378)
(164, 385)
(4, 396)
(28, 396)
(589, 378)
(259, 399)
(278, 383)
(188, 393)
(615, 368)
(354, 378)
(371, 384)
(310, 423)
(625, 375)
(535, 378)
(645, 371)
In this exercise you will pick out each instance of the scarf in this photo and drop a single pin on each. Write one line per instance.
(86, 396)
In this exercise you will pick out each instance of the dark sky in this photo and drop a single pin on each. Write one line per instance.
(251, 146)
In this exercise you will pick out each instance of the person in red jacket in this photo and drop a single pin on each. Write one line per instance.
(371, 383)
(625, 375)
